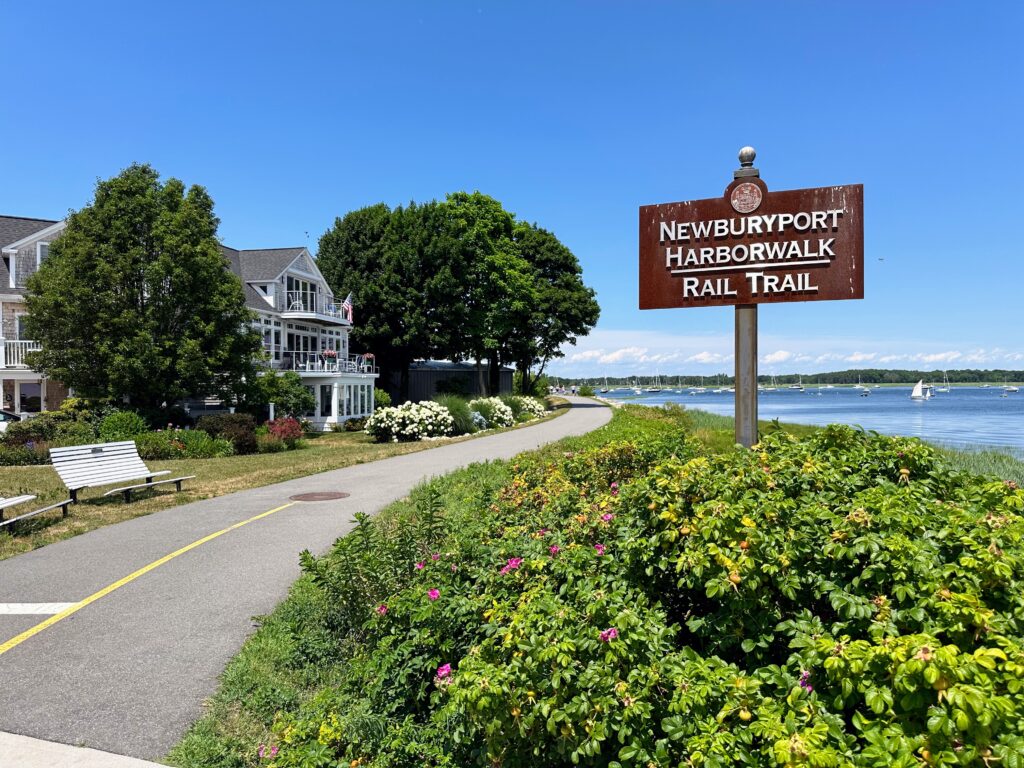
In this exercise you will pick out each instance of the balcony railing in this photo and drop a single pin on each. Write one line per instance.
(305, 303)
(318, 362)
(12, 353)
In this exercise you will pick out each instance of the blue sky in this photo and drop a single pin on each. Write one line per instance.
(573, 115)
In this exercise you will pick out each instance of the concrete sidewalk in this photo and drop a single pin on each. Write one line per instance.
(128, 672)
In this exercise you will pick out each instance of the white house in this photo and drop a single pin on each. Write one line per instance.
(24, 243)
(304, 327)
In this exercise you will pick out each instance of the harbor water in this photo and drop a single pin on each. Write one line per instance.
(964, 417)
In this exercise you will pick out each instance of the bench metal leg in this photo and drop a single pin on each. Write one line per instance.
(64, 509)
(177, 485)
(127, 496)
(74, 495)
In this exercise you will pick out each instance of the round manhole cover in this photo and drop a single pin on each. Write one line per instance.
(320, 496)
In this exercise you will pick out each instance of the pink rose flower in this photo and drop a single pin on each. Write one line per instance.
(512, 565)
(420, 565)
(554, 549)
(609, 634)
(599, 548)
(382, 609)
(435, 557)
(607, 517)
(434, 594)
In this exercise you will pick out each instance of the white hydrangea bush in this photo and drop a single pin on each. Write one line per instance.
(532, 406)
(495, 412)
(410, 421)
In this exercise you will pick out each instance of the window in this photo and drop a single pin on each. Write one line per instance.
(326, 391)
(19, 328)
(42, 251)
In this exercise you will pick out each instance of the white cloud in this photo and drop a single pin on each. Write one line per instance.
(646, 353)
(706, 357)
(861, 357)
(779, 356)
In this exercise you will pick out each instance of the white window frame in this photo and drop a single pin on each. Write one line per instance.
(39, 253)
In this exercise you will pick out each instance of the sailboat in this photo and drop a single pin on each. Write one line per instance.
(605, 387)
(799, 384)
(1009, 387)
(945, 383)
(858, 385)
(656, 386)
(921, 391)
(699, 390)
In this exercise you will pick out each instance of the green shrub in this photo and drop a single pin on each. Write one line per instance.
(74, 433)
(355, 425)
(181, 444)
(585, 391)
(21, 455)
(381, 399)
(840, 600)
(238, 428)
(514, 404)
(122, 425)
(270, 444)
(462, 417)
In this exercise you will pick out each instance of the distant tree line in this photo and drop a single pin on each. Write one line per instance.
(852, 376)
(458, 279)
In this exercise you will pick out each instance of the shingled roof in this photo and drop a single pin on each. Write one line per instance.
(260, 265)
(15, 228)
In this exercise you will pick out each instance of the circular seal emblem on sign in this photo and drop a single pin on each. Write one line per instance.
(746, 197)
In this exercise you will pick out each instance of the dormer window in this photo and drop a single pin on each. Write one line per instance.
(42, 251)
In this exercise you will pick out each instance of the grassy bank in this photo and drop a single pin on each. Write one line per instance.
(644, 596)
(214, 477)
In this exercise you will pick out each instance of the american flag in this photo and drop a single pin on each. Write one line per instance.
(346, 307)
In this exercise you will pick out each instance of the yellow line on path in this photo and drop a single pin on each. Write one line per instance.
(32, 631)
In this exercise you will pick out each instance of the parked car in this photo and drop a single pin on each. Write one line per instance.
(6, 417)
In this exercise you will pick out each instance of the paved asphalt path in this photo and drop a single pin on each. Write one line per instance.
(128, 673)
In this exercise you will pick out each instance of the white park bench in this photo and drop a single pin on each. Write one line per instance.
(16, 500)
(88, 466)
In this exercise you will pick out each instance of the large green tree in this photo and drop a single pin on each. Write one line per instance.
(563, 309)
(458, 279)
(136, 302)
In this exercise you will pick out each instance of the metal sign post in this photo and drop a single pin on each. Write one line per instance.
(749, 247)
(745, 352)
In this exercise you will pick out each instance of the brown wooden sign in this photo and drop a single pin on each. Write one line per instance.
(752, 246)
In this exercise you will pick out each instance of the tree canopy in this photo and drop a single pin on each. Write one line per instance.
(458, 279)
(135, 301)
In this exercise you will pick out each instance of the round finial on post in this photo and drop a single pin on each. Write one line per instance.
(747, 155)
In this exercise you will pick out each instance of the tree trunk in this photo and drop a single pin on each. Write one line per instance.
(403, 385)
(481, 385)
(494, 374)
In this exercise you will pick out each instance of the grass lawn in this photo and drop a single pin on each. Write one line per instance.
(214, 477)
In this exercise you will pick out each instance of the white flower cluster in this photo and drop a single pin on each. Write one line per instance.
(410, 421)
(531, 406)
(496, 412)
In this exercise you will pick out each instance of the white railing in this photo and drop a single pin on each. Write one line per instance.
(12, 353)
(310, 303)
(318, 362)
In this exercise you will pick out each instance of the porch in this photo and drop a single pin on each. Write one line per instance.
(339, 398)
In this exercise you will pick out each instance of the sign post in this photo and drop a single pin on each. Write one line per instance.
(751, 247)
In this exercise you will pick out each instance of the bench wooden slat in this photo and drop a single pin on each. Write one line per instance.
(62, 504)
(86, 466)
(14, 500)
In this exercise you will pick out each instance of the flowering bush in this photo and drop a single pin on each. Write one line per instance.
(410, 421)
(495, 412)
(841, 600)
(531, 406)
(287, 430)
